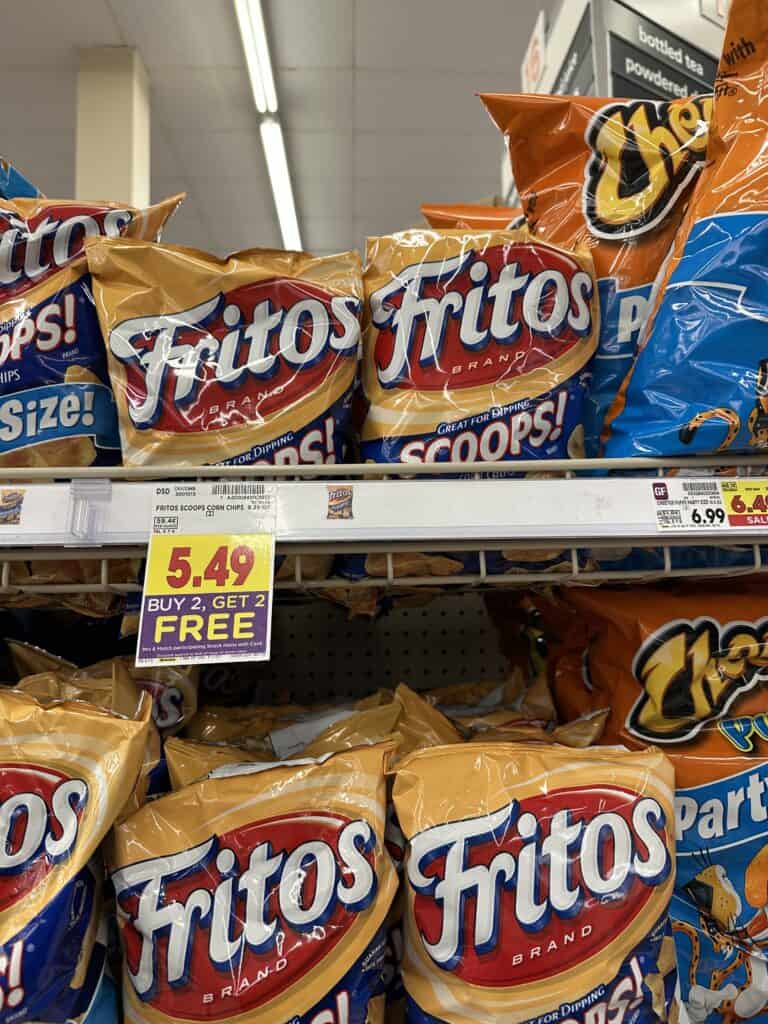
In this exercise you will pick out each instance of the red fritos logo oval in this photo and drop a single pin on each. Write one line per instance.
(40, 812)
(225, 926)
(479, 317)
(33, 250)
(538, 886)
(235, 358)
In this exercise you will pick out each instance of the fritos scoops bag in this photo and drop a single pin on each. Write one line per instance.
(692, 390)
(612, 174)
(258, 894)
(66, 770)
(538, 883)
(56, 404)
(468, 215)
(249, 359)
(474, 347)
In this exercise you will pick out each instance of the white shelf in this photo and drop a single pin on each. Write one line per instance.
(578, 507)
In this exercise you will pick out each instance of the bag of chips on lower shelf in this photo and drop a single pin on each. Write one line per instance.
(258, 894)
(113, 688)
(538, 882)
(66, 770)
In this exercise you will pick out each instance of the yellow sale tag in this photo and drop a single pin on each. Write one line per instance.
(209, 563)
(746, 501)
(207, 592)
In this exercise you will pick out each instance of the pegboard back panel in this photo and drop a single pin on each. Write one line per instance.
(319, 654)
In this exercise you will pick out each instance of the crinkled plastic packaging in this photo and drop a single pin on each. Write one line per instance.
(108, 686)
(685, 669)
(173, 689)
(614, 175)
(191, 760)
(682, 667)
(538, 883)
(66, 770)
(258, 893)
(248, 359)
(692, 389)
(474, 347)
(56, 404)
(469, 215)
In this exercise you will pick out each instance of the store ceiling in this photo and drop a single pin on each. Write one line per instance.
(376, 99)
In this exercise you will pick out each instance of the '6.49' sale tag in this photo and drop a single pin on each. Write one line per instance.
(207, 596)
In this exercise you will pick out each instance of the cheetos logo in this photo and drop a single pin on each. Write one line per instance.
(692, 672)
(644, 154)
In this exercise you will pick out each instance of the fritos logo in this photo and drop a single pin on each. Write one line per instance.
(236, 357)
(538, 886)
(40, 811)
(31, 251)
(479, 316)
(691, 672)
(645, 154)
(222, 927)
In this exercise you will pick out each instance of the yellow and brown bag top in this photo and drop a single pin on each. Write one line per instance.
(258, 894)
(474, 346)
(56, 405)
(538, 882)
(472, 215)
(249, 359)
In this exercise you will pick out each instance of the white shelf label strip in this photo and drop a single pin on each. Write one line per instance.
(378, 511)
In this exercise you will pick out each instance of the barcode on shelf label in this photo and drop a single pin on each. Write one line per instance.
(690, 506)
(701, 486)
(239, 490)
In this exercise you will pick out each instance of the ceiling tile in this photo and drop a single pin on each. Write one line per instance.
(445, 34)
(240, 216)
(381, 156)
(324, 197)
(219, 156)
(216, 99)
(417, 101)
(317, 100)
(180, 33)
(319, 154)
(311, 33)
(38, 33)
(328, 234)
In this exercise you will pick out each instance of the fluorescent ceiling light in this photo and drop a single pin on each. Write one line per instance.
(251, 21)
(280, 179)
